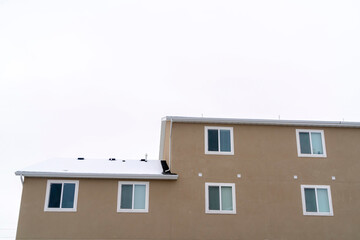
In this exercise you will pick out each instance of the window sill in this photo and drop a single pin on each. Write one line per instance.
(318, 214)
(219, 153)
(220, 212)
(313, 155)
(59, 210)
(132, 211)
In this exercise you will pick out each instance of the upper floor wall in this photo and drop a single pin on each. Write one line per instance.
(219, 150)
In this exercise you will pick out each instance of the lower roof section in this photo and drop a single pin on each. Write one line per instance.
(98, 168)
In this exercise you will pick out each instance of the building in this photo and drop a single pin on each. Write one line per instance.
(235, 179)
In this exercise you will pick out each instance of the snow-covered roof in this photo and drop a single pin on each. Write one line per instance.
(98, 168)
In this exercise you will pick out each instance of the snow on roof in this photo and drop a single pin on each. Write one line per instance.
(97, 168)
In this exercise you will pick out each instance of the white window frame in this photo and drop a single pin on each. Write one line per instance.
(331, 213)
(147, 185)
(207, 210)
(231, 140)
(311, 154)
(60, 209)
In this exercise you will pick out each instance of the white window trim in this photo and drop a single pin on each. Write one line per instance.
(231, 140)
(331, 213)
(147, 184)
(207, 210)
(311, 154)
(47, 195)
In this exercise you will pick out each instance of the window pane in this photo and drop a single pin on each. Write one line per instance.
(226, 198)
(126, 196)
(55, 194)
(213, 140)
(68, 195)
(225, 141)
(323, 200)
(214, 198)
(310, 200)
(139, 197)
(316, 142)
(304, 142)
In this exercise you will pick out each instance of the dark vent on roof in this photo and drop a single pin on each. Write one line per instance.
(123, 160)
(143, 160)
(80, 158)
(112, 159)
(166, 169)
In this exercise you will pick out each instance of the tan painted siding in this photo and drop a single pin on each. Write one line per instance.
(268, 198)
(96, 216)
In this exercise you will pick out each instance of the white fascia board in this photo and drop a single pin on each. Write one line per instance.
(264, 122)
(96, 175)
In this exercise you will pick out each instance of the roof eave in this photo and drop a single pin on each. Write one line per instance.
(263, 122)
(96, 175)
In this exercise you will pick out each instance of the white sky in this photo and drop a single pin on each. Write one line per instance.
(94, 78)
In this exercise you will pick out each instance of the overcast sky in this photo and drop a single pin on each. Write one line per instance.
(94, 78)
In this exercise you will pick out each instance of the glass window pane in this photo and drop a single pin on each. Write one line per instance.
(304, 142)
(316, 142)
(55, 194)
(214, 198)
(310, 200)
(323, 200)
(68, 195)
(213, 140)
(126, 196)
(226, 198)
(139, 197)
(225, 141)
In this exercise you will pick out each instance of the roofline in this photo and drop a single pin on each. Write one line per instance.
(97, 175)
(263, 122)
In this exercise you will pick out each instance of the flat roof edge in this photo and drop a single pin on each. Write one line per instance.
(97, 175)
(263, 121)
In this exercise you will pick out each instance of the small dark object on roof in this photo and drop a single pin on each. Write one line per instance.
(143, 160)
(166, 169)
(81, 158)
(112, 159)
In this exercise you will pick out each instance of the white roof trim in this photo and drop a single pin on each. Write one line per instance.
(263, 121)
(95, 175)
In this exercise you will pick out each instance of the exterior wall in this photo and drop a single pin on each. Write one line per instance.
(96, 216)
(268, 198)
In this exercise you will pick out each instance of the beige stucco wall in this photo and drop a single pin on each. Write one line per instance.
(96, 216)
(268, 198)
